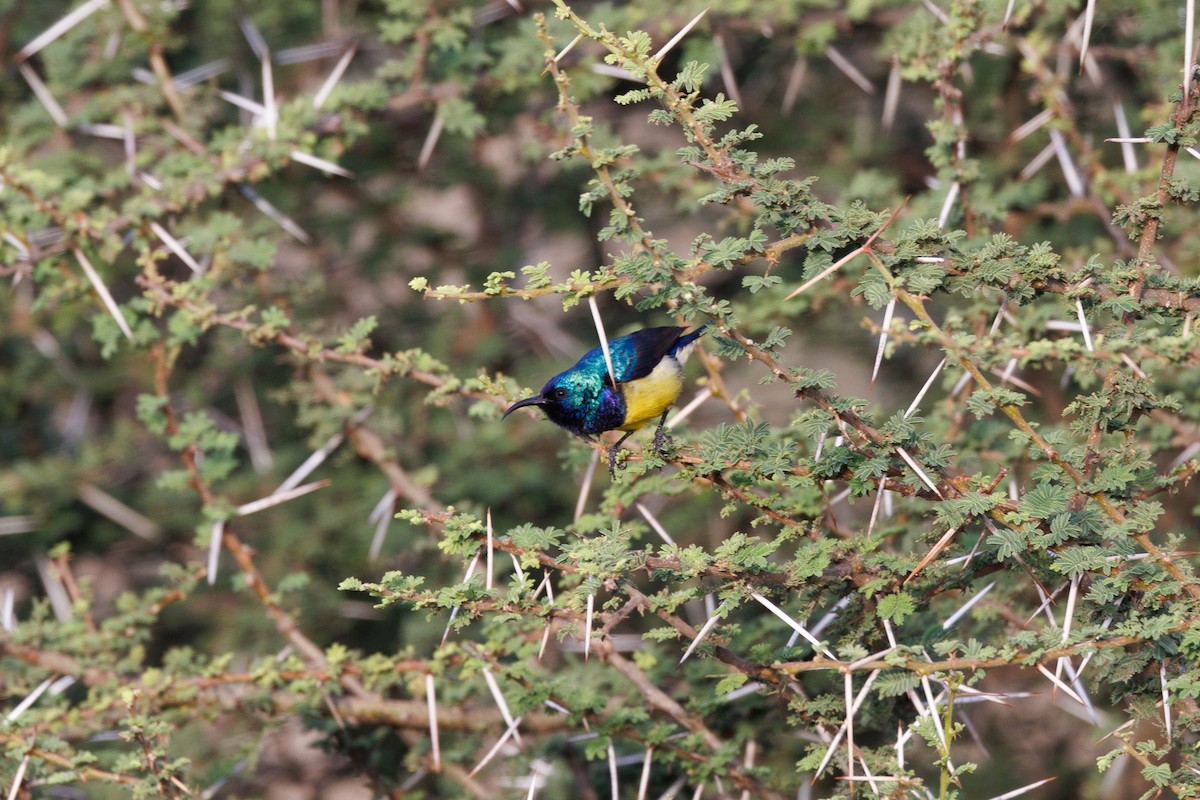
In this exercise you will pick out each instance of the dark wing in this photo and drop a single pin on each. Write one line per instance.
(683, 341)
(635, 355)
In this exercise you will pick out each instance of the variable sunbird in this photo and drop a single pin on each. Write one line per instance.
(648, 367)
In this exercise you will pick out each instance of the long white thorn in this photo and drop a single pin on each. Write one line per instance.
(726, 68)
(56, 30)
(795, 81)
(256, 108)
(1089, 15)
(18, 778)
(454, 611)
(848, 680)
(508, 734)
(431, 140)
(319, 163)
(282, 220)
(8, 618)
(1024, 789)
(644, 783)
(937, 720)
(848, 69)
(1037, 162)
(875, 507)
(948, 204)
(381, 515)
(612, 375)
(102, 290)
(1166, 699)
(549, 602)
(1189, 46)
(1059, 684)
(883, 337)
(796, 626)
(1068, 618)
(924, 389)
(268, 83)
(891, 97)
(276, 498)
(853, 709)
(666, 48)
(708, 626)
(1127, 152)
(1070, 173)
(498, 696)
(612, 770)
(748, 761)
(683, 413)
(491, 548)
(655, 524)
(587, 629)
(435, 741)
(1087, 331)
(1008, 12)
(332, 81)
(917, 469)
(29, 700)
(314, 460)
(570, 46)
(1031, 125)
(586, 487)
(967, 606)
(825, 273)
(176, 247)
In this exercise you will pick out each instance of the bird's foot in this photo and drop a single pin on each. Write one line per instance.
(612, 460)
(663, 443)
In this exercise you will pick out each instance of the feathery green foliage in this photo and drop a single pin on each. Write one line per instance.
(263, 298)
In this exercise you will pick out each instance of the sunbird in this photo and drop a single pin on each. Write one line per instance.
(648, 367)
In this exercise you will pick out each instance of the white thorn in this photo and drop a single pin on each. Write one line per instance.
(570, 46)
(849, 70)
(587, 629)
(883, 337)
(65, 24)
(666, 48)
(612, 375)
(102, 290)
(920, 473)
(214, 549)
(967, 606)
(948, 204)
(708, 625)
(431, 701)
(491, 545)
(498, 696)
(586, 486)
(336, 75)
(1087, 333)
(928, 383)
(796, 626)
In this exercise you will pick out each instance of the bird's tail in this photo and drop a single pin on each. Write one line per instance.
(684, 344)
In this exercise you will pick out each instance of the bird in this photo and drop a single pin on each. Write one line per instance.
(648, 368)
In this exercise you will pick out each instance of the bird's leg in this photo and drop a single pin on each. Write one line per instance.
(612, 454)
(662, 439)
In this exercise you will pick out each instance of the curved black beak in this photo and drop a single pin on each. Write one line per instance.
(536, 400)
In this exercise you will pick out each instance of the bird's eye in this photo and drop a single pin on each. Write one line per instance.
(558, 393)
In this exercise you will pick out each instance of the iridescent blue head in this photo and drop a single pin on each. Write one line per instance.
(580, 399)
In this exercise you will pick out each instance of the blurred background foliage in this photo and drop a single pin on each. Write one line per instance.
(285, 202)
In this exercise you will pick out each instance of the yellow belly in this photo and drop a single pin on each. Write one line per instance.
(647, 398)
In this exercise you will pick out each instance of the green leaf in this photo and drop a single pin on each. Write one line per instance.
(896, 607)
